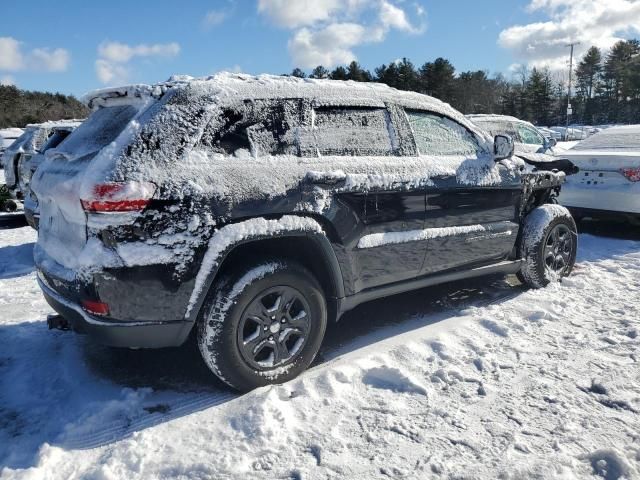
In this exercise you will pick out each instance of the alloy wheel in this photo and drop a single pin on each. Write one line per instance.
(274, 328)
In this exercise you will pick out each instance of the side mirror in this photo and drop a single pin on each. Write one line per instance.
(503, 147)
(550, 142)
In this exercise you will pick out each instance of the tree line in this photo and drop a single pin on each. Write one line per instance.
(19, 108)
(606, 90)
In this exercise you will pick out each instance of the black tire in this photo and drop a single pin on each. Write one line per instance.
(230, 328)
(548, 246)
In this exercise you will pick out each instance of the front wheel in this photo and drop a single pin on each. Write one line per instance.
(262, 324)
(548, 246)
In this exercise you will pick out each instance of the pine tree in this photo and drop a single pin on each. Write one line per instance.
(340, 73)
(298, 73)
(438, 79)
(356, 73)
(320, 72)
(540, 96)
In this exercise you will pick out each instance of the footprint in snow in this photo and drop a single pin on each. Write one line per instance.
(494, 327)
(393, 379)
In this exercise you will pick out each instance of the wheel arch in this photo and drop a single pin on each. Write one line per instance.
(310, 247)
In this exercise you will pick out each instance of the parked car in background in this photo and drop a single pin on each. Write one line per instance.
(34, 137)
(548, 133)
(7, 137)
(27, 165)
(527, 138)
(572, 133)
(608, 184)
(530, 145)
(257, 209)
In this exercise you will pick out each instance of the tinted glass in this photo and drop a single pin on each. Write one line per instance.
(347, 131)
(263, 128)
(436, 135)
(55, 139)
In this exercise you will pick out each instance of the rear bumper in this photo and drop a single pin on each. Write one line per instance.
(620, 200)
(604, 214)
(114, 333)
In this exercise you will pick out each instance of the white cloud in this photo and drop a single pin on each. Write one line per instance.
(112, 65)
(122, 53)
(326, 32)
(591, 22)
(394, 17)
(293, 14)
(329, 46)
(214, 18)
(10, 55)
(56, 60)
(7, 80)
(13, 58)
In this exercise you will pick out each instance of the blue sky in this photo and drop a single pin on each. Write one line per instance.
(75, 46)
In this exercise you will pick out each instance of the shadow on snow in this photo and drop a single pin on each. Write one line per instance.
(61, 389)
(16, 261)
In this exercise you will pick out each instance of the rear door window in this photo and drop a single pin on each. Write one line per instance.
(437, 135)
(263, 128)
(349, 131)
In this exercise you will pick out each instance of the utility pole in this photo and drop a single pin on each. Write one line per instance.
(569, 109)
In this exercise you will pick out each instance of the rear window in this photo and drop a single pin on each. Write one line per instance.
(349, 131)
(613, 139)
(98, 131)
(56, 139)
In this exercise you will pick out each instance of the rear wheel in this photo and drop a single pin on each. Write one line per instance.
(263, 324)
(549, 245)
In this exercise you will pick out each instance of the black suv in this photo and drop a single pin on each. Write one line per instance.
(257, 209)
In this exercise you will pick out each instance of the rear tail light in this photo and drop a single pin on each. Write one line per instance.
(632, 174)
(119, 197)
(100, 309)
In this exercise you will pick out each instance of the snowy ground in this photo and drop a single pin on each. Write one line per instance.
(474, 380)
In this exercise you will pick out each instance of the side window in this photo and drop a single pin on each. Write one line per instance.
(260, 127)
(349, 131)
(529, 135)
(436, 135)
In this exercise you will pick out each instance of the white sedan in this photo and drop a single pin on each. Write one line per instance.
(608, 184)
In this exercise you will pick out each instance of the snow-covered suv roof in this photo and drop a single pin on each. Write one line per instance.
(241, 86)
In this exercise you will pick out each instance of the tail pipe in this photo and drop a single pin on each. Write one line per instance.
(58, 322)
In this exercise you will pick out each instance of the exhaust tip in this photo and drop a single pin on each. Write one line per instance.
(58, 322)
